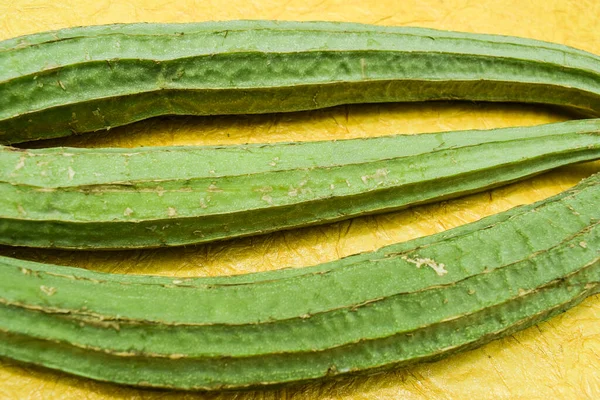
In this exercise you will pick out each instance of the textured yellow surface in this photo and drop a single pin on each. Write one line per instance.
(556, 359)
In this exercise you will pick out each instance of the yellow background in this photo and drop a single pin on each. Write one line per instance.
(556, 359)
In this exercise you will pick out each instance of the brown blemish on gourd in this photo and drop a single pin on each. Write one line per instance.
(213, 188)
(439, 268)
(378, 176)
(20, 164)
(48, 290)
(266, 198)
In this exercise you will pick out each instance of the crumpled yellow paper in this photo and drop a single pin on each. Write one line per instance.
(558, 359)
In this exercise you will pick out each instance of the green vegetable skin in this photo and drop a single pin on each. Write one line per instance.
(93, 78)
(410, 302)
(150, 197)
(402, 304)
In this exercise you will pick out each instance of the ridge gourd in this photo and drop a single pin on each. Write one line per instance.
(404, 303)
(94, 78)
(172, 196)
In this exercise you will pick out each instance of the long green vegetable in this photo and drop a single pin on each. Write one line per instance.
(150, 197)
(93, 78)
(404, 303)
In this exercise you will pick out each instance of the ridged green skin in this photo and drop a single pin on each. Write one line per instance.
(171, 196)
(361, 313)
(93, 78)
(402, 304)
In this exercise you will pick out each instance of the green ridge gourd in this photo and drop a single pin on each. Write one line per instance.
(171, 196)
(405, 303)
(86, 79)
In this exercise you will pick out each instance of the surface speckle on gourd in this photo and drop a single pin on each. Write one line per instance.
(439, 269)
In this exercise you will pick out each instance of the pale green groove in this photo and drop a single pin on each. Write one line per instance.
(362, 313)
(87, 79)
(172, 196)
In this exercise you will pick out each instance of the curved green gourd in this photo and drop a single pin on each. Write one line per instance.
(404, 303)
(170, 196)
(86, 79)
(410, 302)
